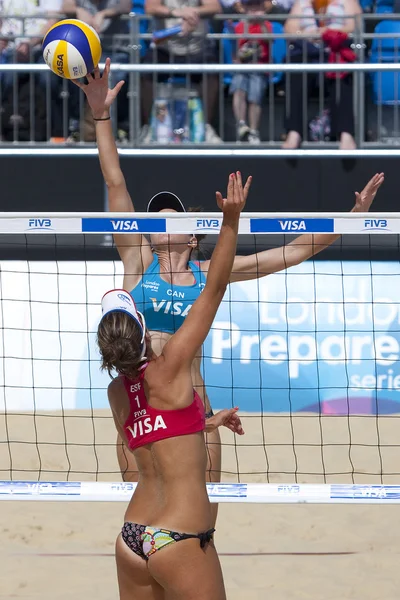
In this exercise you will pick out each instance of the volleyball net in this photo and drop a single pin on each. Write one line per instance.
(309, 354)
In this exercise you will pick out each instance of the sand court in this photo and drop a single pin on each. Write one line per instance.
(62, 550)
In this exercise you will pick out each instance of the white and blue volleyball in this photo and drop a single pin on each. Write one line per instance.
(71, 49)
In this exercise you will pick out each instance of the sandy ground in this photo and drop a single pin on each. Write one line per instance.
(60, 551)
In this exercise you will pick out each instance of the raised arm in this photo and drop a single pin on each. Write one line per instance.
(303, 247)
(181, 349)
(133, 249)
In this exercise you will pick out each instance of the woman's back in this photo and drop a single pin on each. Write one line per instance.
(168, 446)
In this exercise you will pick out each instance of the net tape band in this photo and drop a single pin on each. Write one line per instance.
(218, 493)
(200, 223)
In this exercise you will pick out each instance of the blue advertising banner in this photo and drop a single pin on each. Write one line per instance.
(320, 337)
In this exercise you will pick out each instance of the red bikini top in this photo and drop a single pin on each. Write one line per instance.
(146, 424)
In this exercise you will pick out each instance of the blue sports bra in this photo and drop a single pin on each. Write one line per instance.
(164, 305)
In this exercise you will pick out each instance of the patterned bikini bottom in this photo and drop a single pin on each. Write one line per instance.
(144, 540)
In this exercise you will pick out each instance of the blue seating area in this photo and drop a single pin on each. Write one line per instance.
(386, 85)
(383, 7)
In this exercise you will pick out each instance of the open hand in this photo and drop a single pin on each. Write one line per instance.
(188, 14)
(366, 197)
(187, 28)
(236, 195)
(99, 95)
(228, 418)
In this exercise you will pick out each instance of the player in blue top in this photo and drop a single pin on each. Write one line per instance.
(160, 274)
(167, 303)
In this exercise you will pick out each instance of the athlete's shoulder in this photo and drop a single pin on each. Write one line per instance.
(115, 387)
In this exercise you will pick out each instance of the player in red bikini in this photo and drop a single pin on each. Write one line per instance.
(161, 418)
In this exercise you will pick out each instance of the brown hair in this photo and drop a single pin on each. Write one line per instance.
(119, 340)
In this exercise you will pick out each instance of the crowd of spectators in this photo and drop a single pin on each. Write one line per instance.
(325, 27)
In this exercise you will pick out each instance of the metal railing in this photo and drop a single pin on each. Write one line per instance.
(57, 113)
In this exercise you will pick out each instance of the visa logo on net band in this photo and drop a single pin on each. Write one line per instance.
(292, 225)
(115, 225)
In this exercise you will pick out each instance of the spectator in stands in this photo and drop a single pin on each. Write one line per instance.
(278, 7)
(104, 17)
(24, 46)
(28, 33)
(194, 15)
(248, 88)
(334, 29)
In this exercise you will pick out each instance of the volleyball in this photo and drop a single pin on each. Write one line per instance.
(71, 49)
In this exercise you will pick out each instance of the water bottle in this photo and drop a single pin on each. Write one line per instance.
(197, 126)
(161, 122)
(180, 116)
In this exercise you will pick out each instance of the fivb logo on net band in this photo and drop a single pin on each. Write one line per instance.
(376, 224)
(206, 224)
(36, 223)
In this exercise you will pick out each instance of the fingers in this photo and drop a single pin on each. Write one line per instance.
(239, 179)
(376, 180)
(107, 68)
(89, 78)
(96, 73)
(118, 87)
(238, 188)
(230, 189)
(235, 425)
(219, 199)
(247, 187)
(236, 192)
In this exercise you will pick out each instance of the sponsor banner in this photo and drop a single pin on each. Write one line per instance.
(367, 492)
(320, 337)
(188, 224)
(203, 225)
(290, 492)
(227, 490)
(292, 225)
(356, 226)
(194, 225)
(45, 488)
(40, 225)
(137, 225)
